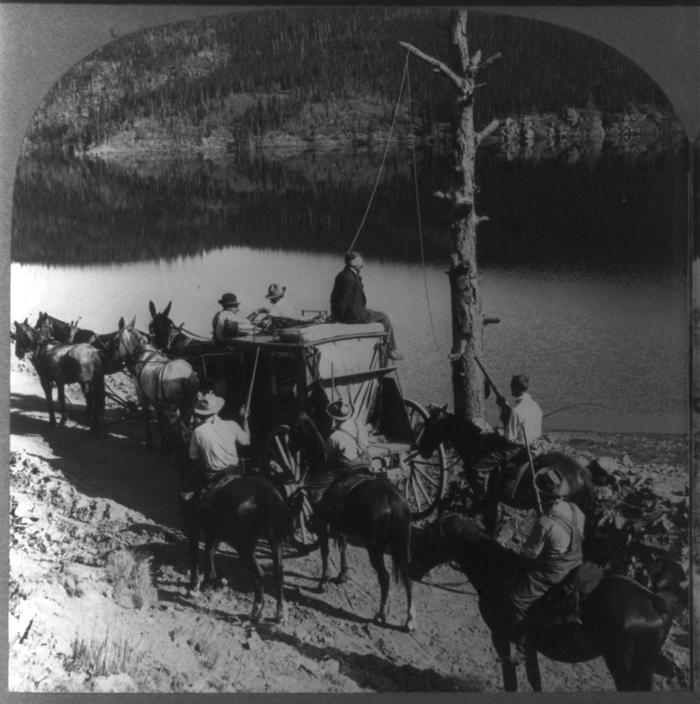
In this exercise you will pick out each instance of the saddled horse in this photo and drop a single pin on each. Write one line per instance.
(170, 386)
(622, 621)
(70, 333)
(61, 364)
(515, 489)
(240, 511)
(367, 505)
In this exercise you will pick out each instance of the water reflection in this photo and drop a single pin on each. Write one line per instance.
(572, 206)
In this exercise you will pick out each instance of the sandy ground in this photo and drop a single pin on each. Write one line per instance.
(79, 501)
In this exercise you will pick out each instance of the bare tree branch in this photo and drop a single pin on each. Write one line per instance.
(442, 68)
(488, 130)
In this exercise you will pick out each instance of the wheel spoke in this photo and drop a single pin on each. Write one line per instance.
(422, 489)
(283, 454)
(425, 476)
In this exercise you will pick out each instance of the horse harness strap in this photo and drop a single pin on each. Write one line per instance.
(570, 526)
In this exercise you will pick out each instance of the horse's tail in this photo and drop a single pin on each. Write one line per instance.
(399, 531)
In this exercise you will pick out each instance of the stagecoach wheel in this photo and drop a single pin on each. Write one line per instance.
(424, 484)
(285, 466)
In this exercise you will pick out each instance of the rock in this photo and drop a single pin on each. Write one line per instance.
(603, 470)
(114, 683)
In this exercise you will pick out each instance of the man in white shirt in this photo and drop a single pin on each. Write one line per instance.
(214, 445)
(522, 422)
(279, 307)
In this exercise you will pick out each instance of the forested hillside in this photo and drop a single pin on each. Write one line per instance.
(320, 75)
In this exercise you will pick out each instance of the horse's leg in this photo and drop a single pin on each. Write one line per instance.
(46, 385)
(532, 668)
(323, 541)
(376, 558)
(189, 519)
(501, 644)
(410, 624)
(85, 388)
(246, 552)
(62, 402)
(278, 571)
(210, 545)
(491, 514)
(342, 548)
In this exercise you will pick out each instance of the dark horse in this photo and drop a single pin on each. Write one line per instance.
(516, 489)
(70, 333)
(171, 339)
(367, 505)
(623, 621)
(169, 385)
(240, 511)
(64, 364)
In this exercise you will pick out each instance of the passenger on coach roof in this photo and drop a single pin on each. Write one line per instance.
(229, 323)
(349, 302)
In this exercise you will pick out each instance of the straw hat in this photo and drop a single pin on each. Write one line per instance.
(228, 299)
(208, 405)
(339, 410)
(275, 291)
(550, 482)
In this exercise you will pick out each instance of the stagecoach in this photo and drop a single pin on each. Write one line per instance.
(304, 367)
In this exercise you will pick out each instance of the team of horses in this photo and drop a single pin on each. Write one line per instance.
(622, 621)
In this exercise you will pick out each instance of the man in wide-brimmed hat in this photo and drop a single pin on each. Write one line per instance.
(349, 302)
(279, 305)
(214, 444)
(553, 549)
(348, 451)
(229, 323)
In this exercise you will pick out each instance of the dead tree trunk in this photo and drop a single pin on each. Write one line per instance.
(467, 318)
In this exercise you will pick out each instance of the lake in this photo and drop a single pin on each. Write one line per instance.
(582, 260)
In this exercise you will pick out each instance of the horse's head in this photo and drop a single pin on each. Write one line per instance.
(426, 549)
(125, 343)
(26, 338)
(160, 326)
(434, 431)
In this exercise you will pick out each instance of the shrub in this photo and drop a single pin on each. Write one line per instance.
(131, 578)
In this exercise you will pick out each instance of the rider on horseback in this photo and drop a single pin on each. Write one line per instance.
(347, 453)
(552, 550)
(213, 446)
(520, 421)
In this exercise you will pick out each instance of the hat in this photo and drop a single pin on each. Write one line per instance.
(228, 299)
(351, 257)
(208, 404)
(339, 410)
(550, 482)
(275, 291)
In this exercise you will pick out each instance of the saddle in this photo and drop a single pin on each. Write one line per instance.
(331, 502)
(561, 604)
(207, 494)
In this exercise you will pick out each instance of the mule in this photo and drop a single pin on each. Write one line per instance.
(170, 386)
(61, 364)
(517, 490)
(622, 621)
(368, 506)
(170, 338)
(70, 333)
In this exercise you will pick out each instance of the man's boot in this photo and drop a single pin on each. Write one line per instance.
(573, 617)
